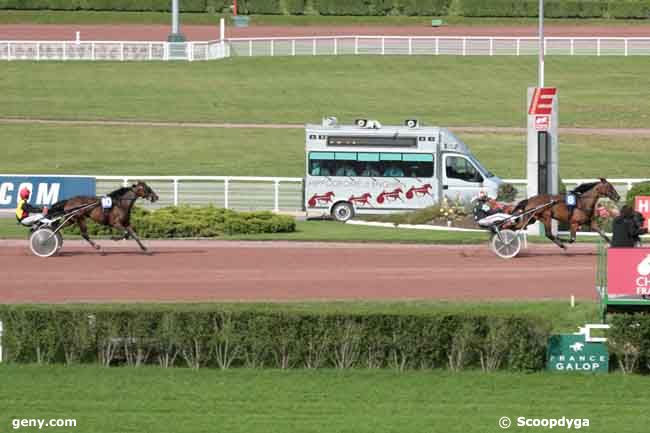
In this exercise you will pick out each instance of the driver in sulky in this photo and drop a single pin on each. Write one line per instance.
(23, 209)
(488, 211)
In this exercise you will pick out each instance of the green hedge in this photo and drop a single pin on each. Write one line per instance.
(642, 188)
(105, 5)
(468, 8)
(191, 222)
(223, 338)
(629, 9)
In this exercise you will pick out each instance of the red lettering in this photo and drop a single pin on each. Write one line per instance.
(542, 101)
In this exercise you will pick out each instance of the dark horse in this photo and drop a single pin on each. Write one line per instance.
(587, 196)
(117, 215)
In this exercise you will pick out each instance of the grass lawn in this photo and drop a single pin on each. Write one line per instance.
(437, 90)
(106, 17)
(133, 151)
(182, 400)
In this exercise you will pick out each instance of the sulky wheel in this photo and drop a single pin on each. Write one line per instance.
(44, 242)
(505, 244)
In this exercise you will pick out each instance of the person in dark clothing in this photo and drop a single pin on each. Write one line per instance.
(627, 227)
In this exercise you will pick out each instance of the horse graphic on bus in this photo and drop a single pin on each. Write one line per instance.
(362, 200)
(321, 199)
(419, 191)
(390, 195)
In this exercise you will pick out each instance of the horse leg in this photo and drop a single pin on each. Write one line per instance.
(597, 229)
(131, 232)
(84, 233)
(573, 229)
(548, 230)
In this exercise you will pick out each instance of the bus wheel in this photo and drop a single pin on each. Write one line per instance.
(342, 211)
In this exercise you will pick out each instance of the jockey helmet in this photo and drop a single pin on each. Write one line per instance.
(25, 193)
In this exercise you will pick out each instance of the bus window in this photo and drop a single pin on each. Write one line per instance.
(418, 164)
(321, 164)
(370, 164)
(458, 167)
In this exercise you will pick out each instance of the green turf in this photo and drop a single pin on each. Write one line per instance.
(438, 90)
(138, 151)
(373, 401)
(107, 17)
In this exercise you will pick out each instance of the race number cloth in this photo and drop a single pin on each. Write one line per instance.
(571, 200)
(107, 202)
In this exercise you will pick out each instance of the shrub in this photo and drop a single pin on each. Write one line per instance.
(507, 192)
(222, 337)
(629, 8)
(642, 188)
(629, 342)
(191, 222)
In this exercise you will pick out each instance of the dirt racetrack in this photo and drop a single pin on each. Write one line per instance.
(217, 270)
(138, 32)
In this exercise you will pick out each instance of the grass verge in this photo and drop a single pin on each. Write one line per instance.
(157, 151)
(182, 400)
(446, 90)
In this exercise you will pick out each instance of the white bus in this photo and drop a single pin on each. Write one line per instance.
(369, 168)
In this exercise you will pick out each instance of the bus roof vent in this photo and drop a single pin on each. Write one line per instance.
(367, 123)
(330, 121)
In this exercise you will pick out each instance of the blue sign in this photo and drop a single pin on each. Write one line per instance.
(46, 190)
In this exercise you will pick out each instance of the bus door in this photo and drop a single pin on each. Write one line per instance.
(461, 179)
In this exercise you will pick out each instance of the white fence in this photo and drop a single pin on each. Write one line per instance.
(279, 194)
(434, 45)
(321, 46)
(621, 185)
(112, 50)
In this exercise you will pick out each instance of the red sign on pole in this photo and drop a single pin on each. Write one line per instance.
(642, 205)
(542, 101)
(628, 271)
(542, 123)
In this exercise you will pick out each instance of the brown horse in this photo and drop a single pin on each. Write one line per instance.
(587, 196)
(115, 212)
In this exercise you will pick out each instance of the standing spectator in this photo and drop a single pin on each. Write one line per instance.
(627, 229)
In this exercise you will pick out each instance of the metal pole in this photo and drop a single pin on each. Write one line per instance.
(174, 17)
(175, 35)
(541, 43)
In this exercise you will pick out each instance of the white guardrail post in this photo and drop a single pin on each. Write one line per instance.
(176, 192)
(225, 193)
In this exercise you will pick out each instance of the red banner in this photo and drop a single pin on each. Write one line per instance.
(642, 205)
(628, 271)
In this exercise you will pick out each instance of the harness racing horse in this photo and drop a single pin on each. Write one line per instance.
(115, 213)
(587, 196)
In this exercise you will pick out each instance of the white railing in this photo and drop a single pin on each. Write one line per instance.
(321, 45)
(279, 194)
(112, 50)
(621, 185)
(437, 45)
